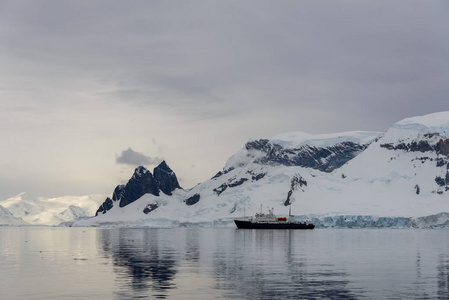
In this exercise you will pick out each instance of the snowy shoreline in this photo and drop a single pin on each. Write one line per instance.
(437, 221)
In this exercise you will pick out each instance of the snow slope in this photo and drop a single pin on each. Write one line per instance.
(400, 179)
(8, 219)
(52, 211)
(298, 139)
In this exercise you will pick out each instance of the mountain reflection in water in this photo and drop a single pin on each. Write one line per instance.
(140, 262)
(223, 263)
(243, 264)
(190, 263)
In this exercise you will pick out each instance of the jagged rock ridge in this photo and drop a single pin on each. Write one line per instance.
(325, 159)
(323, 152)
(428, 142)
(142, 182)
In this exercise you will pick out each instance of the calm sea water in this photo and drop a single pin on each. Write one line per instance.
(223, 263)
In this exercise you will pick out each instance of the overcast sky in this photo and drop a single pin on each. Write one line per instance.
(90, 89)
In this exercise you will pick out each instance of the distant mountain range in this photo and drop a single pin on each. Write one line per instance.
(30, 210)
(399, 178)
(7, 218)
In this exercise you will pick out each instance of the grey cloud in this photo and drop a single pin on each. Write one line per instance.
(131, 157)
(217, 59)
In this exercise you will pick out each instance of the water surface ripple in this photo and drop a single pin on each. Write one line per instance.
(223, 263)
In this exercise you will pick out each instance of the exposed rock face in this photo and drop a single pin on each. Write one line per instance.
(150, 207)
(193, 200)
(443, 147)
(107, 205)
(424, 145)
(440, 181)
(258, 144)
(420, 146)
(447, 177)
(118, 192)
(142, 182)
(231, 183)
(320, 158)
(221, 189)
(217, 175)
(165, 178)
(296, 183)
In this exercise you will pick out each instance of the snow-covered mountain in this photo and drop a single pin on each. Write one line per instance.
(8, 219)
(52, 211)
(353, 179)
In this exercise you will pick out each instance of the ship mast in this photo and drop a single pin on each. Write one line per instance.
(290, 213)
(291, 200)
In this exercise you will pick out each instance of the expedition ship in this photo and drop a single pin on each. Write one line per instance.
(270, 221)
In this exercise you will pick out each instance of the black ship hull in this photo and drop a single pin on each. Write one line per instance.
(251, 225)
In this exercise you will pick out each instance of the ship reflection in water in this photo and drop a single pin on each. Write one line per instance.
(207, 263)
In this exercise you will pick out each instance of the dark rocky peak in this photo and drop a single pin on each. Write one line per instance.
(140, 171)
(142, 182)
(165, 178)
(257, 145)
(162, 167)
